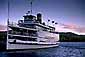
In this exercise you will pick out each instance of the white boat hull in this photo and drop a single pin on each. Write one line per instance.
(30, 46)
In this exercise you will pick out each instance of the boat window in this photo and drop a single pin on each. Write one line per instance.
(23, 38)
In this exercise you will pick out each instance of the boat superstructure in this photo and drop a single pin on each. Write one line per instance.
(31, 33)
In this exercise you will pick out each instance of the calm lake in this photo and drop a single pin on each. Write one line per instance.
(65, 49)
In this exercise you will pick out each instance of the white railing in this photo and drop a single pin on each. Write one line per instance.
(13, 24)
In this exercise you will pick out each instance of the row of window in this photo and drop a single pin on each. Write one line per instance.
(29, 33)
(22, 38)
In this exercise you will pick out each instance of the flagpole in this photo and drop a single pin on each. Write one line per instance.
(7, 26)
(48, 22)
(8, 16)
(53, 23)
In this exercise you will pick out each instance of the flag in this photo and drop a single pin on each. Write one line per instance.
(48, 20)
(56, 23)
(52, 21)
(28, 11)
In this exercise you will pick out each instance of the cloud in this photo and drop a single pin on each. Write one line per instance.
(69, 26)
(74, 28)
(3, 28)
(81, 29)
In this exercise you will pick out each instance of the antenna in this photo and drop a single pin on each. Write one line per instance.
(31, 6)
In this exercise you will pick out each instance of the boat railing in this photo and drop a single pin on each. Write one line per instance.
(22, 33)
(13, 24)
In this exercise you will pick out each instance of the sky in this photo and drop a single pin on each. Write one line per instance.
(69, 14)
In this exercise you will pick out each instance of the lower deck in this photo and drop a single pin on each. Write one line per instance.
(30, 46)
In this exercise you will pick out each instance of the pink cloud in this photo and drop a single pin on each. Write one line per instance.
(74, 28)
(3, 28)
(69, 26)
(81, 29)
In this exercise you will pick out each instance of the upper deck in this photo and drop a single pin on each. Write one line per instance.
(31, 22)
(16, 26)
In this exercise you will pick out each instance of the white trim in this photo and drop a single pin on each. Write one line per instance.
(47, 43)
(20, 41)
(42, 25)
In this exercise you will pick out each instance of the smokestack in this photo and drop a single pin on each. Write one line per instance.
(39, 18)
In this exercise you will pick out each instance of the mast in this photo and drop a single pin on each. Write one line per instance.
(30, 11)
(7, 26)
(8, 16)
(31, 6)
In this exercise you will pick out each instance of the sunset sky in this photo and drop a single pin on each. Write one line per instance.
(69, 14)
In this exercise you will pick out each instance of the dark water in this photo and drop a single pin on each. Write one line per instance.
(65, 49)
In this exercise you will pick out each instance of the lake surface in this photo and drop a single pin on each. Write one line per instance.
(65, 49)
